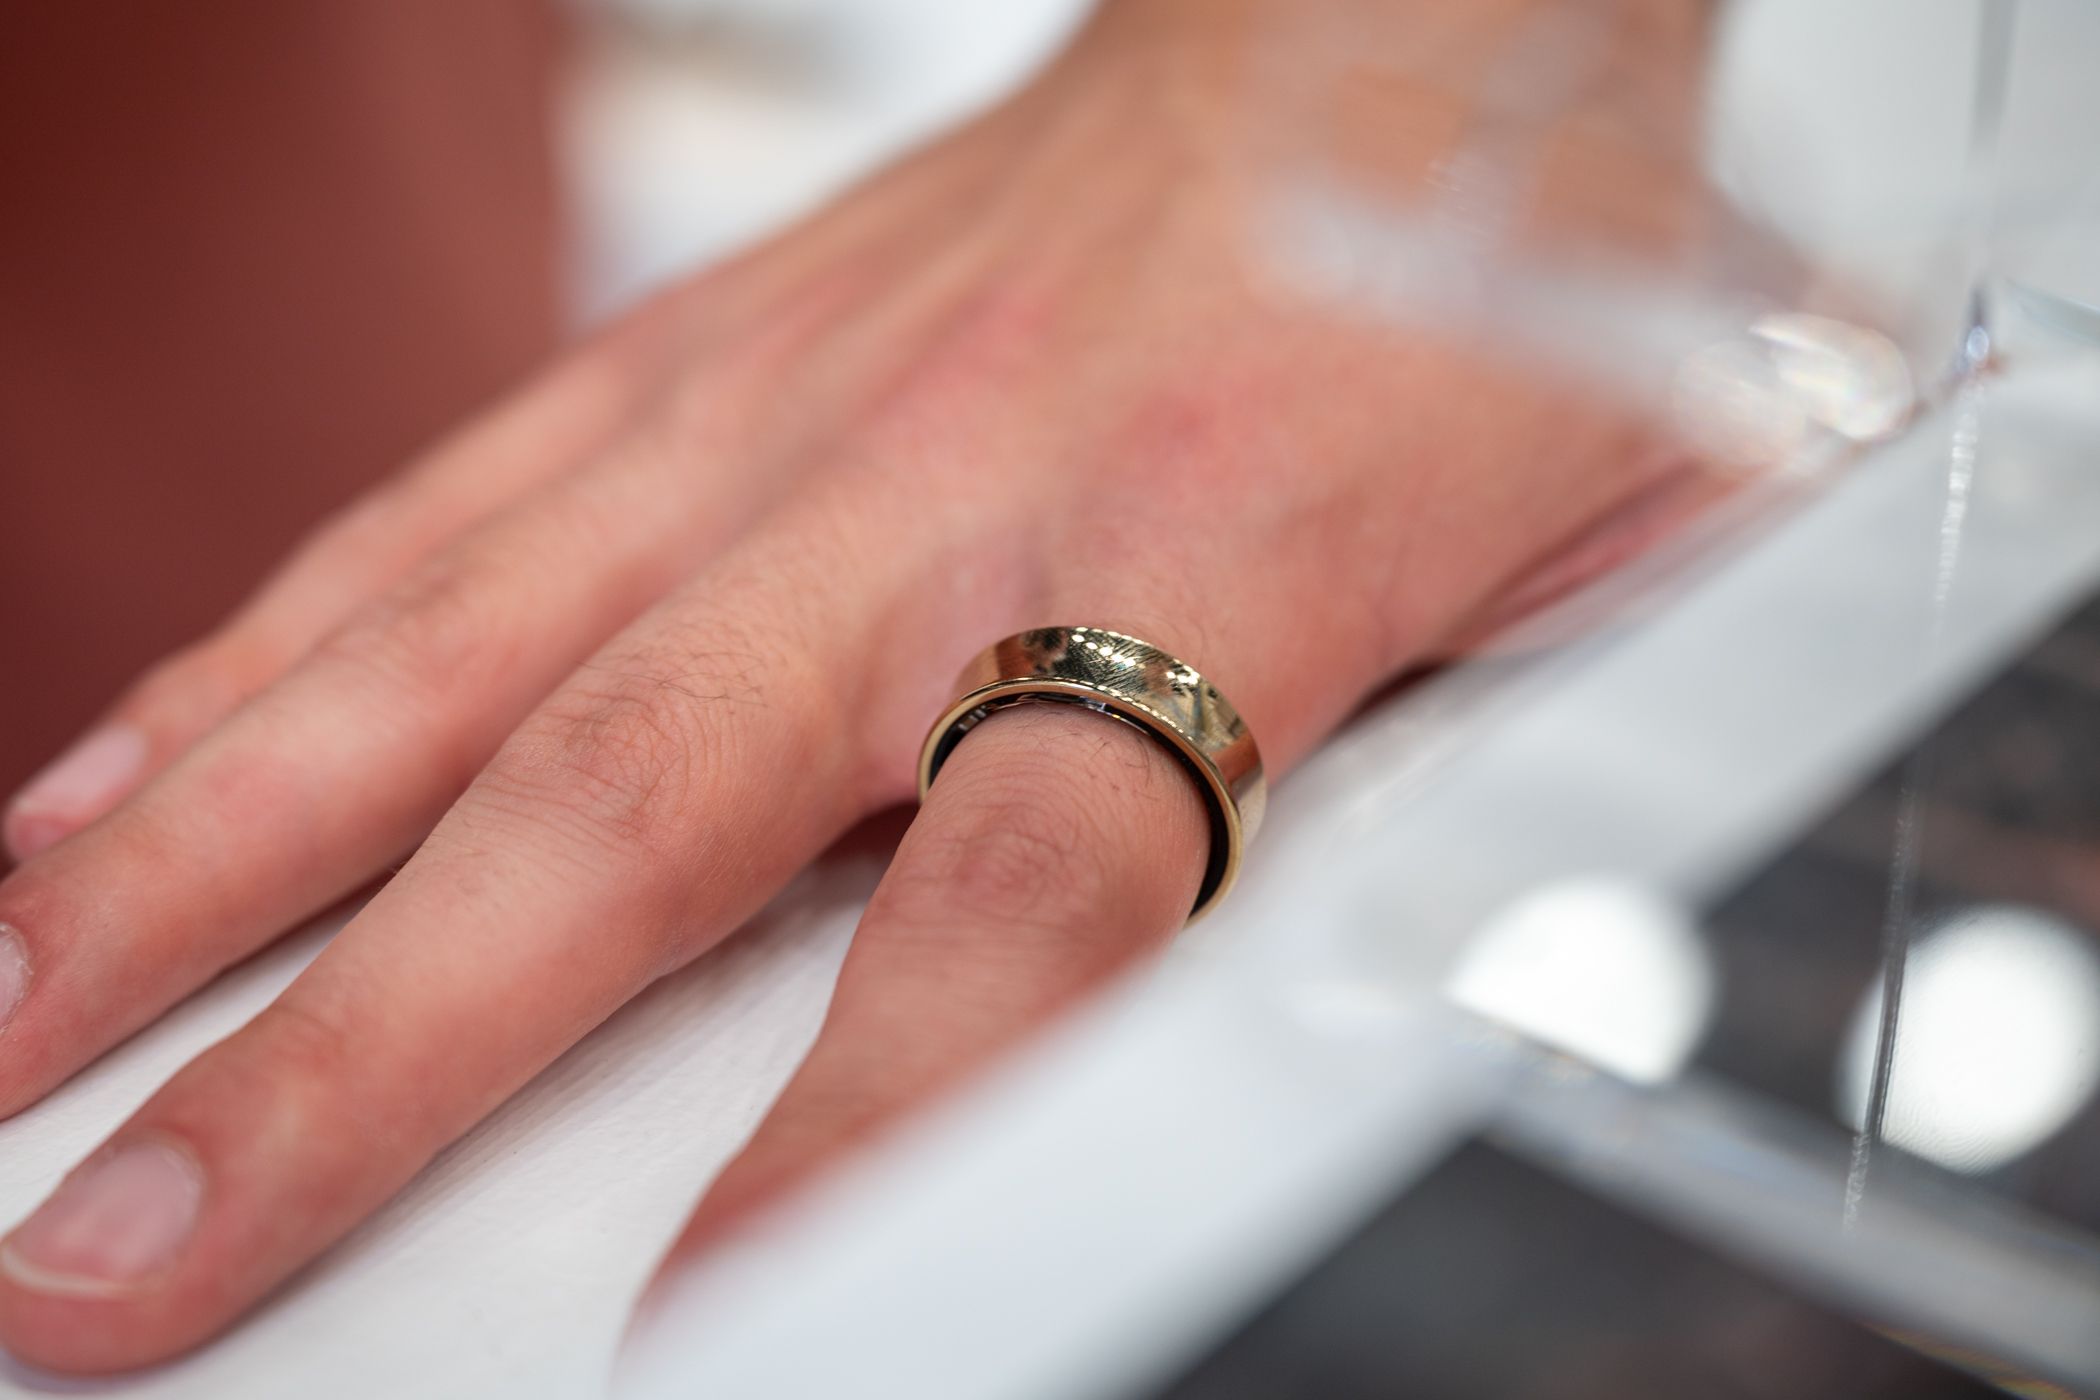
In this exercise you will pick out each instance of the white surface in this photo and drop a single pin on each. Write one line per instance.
(509, 1267)
(1080, 1224)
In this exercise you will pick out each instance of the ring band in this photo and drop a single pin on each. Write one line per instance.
(1141, 685)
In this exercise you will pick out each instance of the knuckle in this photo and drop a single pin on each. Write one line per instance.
(304, 1046)
(614, 757)
(426, 635)
(623, 758)
(292, 1069)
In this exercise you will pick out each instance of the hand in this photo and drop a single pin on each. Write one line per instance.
(620, 658)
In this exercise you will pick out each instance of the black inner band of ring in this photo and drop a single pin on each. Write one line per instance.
(1220, 834)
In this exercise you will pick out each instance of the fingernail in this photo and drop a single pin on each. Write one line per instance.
(78, 786)
(14, 973)
(111, 1226)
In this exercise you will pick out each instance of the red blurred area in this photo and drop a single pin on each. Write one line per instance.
(252, 254)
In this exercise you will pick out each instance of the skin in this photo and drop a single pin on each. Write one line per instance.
(618, 659)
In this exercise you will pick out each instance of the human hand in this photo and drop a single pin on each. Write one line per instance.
(619, 659)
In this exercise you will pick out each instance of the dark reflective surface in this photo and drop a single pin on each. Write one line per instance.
(1492, 1278)
(1994, 1060)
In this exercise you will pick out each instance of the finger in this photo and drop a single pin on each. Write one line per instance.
(549, 426)
(652, 804)
(1058, 846)
(322, 779)
(897, 1031)
(345, 762)
(779, 294)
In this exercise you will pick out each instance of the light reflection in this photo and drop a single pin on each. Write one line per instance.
(1600, 967)
(1998, 1044)
(1846, 378)
(1752, 400)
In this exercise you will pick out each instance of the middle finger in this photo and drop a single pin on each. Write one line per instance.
(650, 806)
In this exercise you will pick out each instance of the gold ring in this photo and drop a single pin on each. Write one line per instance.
(1137, 683)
